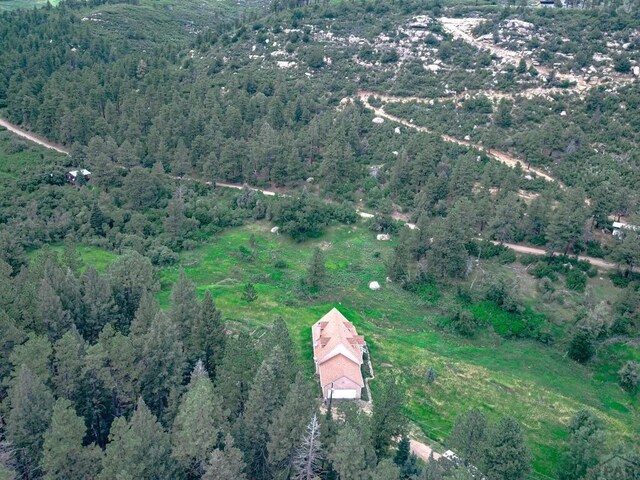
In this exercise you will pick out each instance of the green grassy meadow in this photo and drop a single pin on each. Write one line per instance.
(14, 4)
(533, 382)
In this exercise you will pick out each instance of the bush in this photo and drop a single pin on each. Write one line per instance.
(629, 376)
(163, 256)
(464, 323)
(281, 264)
(576, 280)
(582, 348)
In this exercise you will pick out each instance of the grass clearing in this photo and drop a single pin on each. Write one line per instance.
(533, 382)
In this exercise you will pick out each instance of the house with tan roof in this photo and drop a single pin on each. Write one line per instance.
(337, 353)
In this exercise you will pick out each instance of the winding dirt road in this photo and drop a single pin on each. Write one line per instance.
(32, 137)
(502, 157)
(596, 262)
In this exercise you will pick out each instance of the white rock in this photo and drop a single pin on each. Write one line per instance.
(275, 230)
(378, 120)
(383, 237)
(374, 286)
(636, 71)
(467, 138)
(397, 130)
(563, 113)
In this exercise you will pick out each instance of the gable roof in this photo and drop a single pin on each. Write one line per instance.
(337, 348)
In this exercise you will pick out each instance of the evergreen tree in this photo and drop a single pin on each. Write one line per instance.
(506, 455)
(175, 225)
(307, 460)
(350, 456)
(99, 308)
(184, 305)
(385, 470)
(35, 354)
(162, 363)
(581, 347)
(130, 276)
(289, 424)
(469, 435)
(53, 317)
(30, 415)
(64, 456)
(145, 314)
(113, 363)
(404, 449)
(316, 272)
(139, 448)
(388, 420)
(68, 365)
(225, 464)
(208, 335)
(70, 256)
(266, 396)
(249, 293)
(97, 220)
(199, 424)
(585, 441)
(235, 375)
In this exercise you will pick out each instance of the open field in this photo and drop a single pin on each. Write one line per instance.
(533, 382)
(13, 4)
(19, 156)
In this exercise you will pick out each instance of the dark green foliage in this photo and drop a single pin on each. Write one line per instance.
(506, 456)
(138, 448)
(388, 420)
(629, 376)
(249, 293)
(585, 443)
(581, 347)
(316, 273)
(469, 436)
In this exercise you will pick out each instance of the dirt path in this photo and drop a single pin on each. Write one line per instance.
(596, 262)
(422, 451)
(34, 138)
(502, 157)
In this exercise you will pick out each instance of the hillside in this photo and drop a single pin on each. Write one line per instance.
(151, 302)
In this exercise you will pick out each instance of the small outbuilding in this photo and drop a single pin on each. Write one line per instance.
(72, 176)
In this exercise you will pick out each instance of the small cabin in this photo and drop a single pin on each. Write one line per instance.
(72, 176)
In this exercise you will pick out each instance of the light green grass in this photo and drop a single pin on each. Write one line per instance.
(20, 157)
(15, 4)
(533, 382)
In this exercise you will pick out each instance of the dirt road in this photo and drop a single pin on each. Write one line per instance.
(34, 138)
(502, 157)
(422, 451)
(596, 262)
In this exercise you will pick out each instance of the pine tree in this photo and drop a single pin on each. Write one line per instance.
(316, 272)
(130, 276)
(266, 396)
(506, 455)
(64, 456)
(208, 337)
(349, 455)
(162, 363)
(12, 335)
(307, 460)
(97, 220)
(176, 221)
(31, 406)
(35, 354)
(235, 374)
(225, 464)
(385, 470)
(468, 437)
(288, 425)
(581, 347)
(585, 441)
(184, 305)
(279, 335)
(99, 308)
(70, 256)
(52, 315)
(112, 362)
(388, 420)
(249, 293)
(68, 365)
(199, 424)
(146, 312)
(404, 449)
(139, 448)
